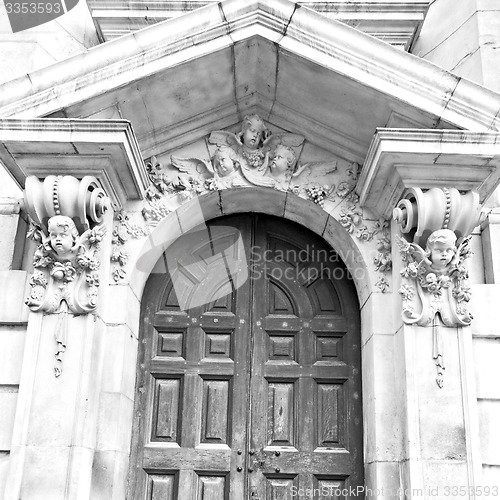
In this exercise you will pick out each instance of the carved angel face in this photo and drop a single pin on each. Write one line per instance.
(441, 248)
(282, 160)
(226, 166)
(252, 133)
(62, 234)
(223, 162)
(441, 254)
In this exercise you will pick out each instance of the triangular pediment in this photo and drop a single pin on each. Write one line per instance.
(178, 80)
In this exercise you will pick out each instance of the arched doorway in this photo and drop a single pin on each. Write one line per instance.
(248, 380)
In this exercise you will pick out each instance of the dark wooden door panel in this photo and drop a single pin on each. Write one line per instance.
(305, 397)
(254, 393)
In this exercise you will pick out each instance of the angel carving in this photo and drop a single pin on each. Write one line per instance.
(66, 278)
(67, 260)
(221, 172)
(254, 143)
(440, 280)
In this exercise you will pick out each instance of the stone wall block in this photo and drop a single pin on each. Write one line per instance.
(487, 367)
(8, 223)
(121, 307)
(109, 474)
(115, 418)
(14, 288)
(489, 416)
(476, 263)
(51, 464)
(120, 356)
(55, 429)
(235, 201)
(491, 476)
(485, 314)
(8, 401)
(378, 311)
(64, 400)
(4, 470)
(315, 218)
(442, 432)
(384, 479)
(383, 435)
(12, 339)
(440, 475)
(491, 247)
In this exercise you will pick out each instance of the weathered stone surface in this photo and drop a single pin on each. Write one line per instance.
(12, 305)
(384, 432)
(8, 400)
(489, 416)
(487, 368)
(12, 341)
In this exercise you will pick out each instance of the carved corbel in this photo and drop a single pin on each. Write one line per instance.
(437, 225)
(66, 215)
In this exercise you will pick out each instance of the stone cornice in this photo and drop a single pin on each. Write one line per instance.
(402, 158)
(392, 22)
(105, 149)
(303, 32)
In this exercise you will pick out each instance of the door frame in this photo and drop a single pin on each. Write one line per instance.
(373, 304)
(255, 229)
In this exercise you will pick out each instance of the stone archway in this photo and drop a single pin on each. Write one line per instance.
(282, 347)
(289, 207)
(255, 199)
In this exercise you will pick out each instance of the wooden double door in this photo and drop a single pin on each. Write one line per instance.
(254, 392)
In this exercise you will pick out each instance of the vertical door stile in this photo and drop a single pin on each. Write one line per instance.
(257, 412)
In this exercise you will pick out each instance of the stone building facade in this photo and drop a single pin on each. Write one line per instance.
(166, 330)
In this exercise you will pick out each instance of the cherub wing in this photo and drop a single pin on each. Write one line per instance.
(285, 138)
(418, 254)
(463, 251)
(194, 167)
(313, 172)
(223, 138)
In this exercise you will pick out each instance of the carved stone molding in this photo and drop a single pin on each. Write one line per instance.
(419, 212)
(106, 150)
(400, 159)
(123, 230)
(66, 216)
(255, 156)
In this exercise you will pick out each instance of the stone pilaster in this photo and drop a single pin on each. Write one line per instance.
(64, 422)
(409, 172)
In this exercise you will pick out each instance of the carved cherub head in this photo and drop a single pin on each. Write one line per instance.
(253, 132)
(283, 160)
(63, 234)
(224, 161)
(441, 248)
